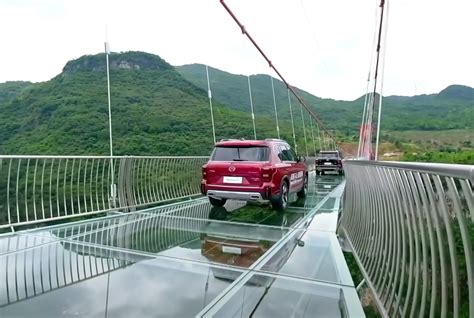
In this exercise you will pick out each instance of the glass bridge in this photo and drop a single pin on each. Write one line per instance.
(185, 259)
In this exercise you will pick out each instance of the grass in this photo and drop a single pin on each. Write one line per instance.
(436, 138)
(369, 310)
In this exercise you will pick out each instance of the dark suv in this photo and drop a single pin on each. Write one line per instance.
(254, 170)
(329, 161)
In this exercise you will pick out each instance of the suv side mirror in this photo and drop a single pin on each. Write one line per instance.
(300, 159)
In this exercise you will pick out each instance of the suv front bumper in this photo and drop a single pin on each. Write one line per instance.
(328, 168)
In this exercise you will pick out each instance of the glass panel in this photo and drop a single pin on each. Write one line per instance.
(309, 255)
(76, 280)
(189, 238)
(273, 296)
(16, 242)
(240, 154)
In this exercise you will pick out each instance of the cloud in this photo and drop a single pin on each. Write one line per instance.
(321, 46)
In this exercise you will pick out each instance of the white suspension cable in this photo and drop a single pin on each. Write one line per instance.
(363, 114)
(304, 131)
(275, 105)
(324, 141)
(112, 170)
(291, 115)
(314, 37)
(312, 134)
(364, 134)
(209, 95)
(379, 59)
(251, 109)
(319, 135)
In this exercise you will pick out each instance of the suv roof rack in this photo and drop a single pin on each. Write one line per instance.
(232, 139)
(228, 139)
(274, 139)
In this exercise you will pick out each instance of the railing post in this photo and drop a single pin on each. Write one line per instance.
(408, 227)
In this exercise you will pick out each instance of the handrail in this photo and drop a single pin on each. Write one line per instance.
(410, 227)
(444, 169)
(96, 248)
(92, 157)
(37, 189)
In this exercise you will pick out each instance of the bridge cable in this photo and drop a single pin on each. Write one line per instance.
(304, 131)
(275, 105)
(112, 167)
(324, 141)
(382, 71)
(319, 136)
(368, 129)
(315, 38)
(363, 128)
(359, 149)
(251, 109)
(209, 95)
(312, 135)
(292, 89)
(291, 116)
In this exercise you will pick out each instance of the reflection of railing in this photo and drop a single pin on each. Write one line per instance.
(39, 188)
(310, 163)
(61, 257)
(33, 272)
(411, 228)
(151, 232)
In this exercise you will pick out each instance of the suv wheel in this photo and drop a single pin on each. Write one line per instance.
(217, 202)
(281, 202)
(304, 190)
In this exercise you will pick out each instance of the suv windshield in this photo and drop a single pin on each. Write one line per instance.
(328, 154)
(240, 154)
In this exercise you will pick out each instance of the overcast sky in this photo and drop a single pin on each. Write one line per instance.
(319, 45)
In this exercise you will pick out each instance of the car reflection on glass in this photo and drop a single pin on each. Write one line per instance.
(239, 251)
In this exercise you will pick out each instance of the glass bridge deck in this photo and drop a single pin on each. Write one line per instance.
(186, 259)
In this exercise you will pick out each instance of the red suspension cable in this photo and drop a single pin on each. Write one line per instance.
(299, 98)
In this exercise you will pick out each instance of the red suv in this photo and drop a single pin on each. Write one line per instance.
(254, 170)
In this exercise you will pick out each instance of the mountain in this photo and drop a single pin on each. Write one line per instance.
(452, 108)
(457, 92)
(158, 109)
(10, 90)
(232, 91)
(155, 111)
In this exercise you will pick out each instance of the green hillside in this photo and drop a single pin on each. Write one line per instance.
(452, 108)
(232, 91)
(158, 109)
(155, 111)
(10, 90)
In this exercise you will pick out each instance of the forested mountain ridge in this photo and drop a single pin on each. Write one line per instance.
(452, 108)
(158, 109)
(155, 111)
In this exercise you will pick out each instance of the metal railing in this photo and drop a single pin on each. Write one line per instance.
(36, 189)
(50, 266)
(60, 256)
(37, 264)
(411, 229)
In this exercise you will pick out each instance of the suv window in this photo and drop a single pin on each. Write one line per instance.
(329, 154)
(293, 154)
(251, 153)
(286, 154)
